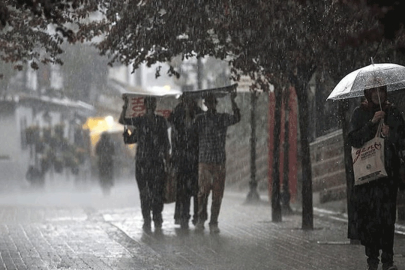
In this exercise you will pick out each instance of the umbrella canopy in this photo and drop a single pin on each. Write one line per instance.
(136, 98)
(218, 92)
(372, 76)
(153, 91)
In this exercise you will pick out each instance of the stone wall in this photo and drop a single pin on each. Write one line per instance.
(328, 169)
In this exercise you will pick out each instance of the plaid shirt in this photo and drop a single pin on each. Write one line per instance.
(212, 127)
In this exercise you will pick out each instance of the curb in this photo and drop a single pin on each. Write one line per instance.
(318, 211)
(399, 228)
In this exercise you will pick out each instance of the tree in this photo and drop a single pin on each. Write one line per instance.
(390, 17)
(266, 40)
(25, 25)
(32, 31)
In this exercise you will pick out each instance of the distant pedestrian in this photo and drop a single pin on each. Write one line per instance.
(152, 152)
(212, 127)
(185, 159)
(375, 202)
(105, 152)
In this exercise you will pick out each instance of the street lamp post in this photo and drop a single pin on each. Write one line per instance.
(253, 195)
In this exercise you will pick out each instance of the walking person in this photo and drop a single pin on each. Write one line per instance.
(375, 202)
(105, 152)
(185, 159)
(212, 127)
(152, 153)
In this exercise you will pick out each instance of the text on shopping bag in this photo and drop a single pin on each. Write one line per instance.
(136, 108)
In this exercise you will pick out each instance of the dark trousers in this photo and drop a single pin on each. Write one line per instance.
(187, 187)
(106, 172)
(150, 177)
(386, 247)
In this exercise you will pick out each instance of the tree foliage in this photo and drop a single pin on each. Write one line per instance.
(263, 39)
(389, 14)
(32, 31)
(256, 37)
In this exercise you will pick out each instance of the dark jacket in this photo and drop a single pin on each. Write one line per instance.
(152, 137)
(105, 152)
(375, 202)
(184, 138)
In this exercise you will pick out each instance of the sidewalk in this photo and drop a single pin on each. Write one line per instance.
(338, 210)
(250, 240)
(88, 231)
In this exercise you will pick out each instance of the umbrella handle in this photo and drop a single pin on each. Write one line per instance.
(379, 99)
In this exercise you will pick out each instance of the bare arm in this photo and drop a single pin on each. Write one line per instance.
(122, 120)
(235, 109)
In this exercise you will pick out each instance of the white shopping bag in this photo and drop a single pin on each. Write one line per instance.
(368, 161)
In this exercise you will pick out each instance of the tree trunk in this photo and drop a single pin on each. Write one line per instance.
(307, 203)
(344, 116)
(275, 194)
(285, 195)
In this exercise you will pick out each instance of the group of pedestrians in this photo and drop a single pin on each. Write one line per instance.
(198, 156)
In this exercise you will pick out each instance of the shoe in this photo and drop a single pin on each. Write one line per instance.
(158, 221)
(184, 225)
(389, 267)
(370, 267)
(214, 229)
(199, 227)
(158, 225)
(146, 226)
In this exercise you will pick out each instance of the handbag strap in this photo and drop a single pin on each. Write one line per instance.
(378, 133)
(400, 153)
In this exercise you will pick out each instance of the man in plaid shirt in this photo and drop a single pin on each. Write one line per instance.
(212, 127)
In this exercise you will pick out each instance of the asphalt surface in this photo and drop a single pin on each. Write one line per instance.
(72, 228)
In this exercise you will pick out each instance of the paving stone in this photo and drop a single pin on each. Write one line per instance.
(108, 235)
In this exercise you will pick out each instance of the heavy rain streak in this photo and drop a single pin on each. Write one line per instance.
(199, 135)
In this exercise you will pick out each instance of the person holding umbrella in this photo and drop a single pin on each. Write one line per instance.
(185, 158)
(375, 201)
(212, 127)
(152, 153)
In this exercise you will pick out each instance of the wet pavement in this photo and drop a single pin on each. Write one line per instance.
(71, 229)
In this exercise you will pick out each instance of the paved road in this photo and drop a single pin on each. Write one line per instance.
(68, 229)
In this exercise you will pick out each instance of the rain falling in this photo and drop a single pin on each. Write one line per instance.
(199, 135)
